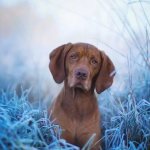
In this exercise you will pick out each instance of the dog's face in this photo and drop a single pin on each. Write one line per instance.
(82, 65)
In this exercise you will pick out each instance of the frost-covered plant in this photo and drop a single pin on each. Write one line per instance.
(24, 127)
(126, 114)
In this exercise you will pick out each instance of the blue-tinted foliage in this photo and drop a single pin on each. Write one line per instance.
(125, 113)
(25, 127)
(125, 121)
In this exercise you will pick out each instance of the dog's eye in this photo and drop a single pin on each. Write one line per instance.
(74, 56)
(94, 61)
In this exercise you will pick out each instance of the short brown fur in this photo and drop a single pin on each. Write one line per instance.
(83, 68)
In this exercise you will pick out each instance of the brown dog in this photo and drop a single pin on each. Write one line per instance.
(83, 68)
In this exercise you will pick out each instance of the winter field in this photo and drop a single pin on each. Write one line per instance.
(31, 29)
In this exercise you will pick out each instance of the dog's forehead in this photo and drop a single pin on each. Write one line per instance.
(85, 48)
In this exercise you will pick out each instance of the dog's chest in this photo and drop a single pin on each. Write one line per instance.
(79, 109)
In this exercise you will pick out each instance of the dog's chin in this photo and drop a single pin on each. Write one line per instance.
(79, 86)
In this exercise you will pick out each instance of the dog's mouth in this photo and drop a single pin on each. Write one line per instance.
(79, 84)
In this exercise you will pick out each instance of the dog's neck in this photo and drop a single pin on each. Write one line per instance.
(77, 93)
(77, 100)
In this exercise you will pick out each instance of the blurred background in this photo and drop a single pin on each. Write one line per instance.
(31, 29)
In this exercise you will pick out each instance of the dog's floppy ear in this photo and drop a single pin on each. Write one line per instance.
(106, 74)
(57, 62)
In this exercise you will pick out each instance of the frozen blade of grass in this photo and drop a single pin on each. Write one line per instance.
(89, 143)
(147, 49)
(108, 141)
(114, 138)
(137, 1)
(143, 11)
(132, 146)
(31, 130)
(140, 147)
(113, 49)
(67, 146)
(62, 145)
(130, 31)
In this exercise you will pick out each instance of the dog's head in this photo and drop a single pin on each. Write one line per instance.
(83, 66)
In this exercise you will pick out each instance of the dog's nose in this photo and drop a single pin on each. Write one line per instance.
(81, 74)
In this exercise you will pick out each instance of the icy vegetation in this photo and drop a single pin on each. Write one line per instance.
(24, 127)
(125, 120)
(29, 30)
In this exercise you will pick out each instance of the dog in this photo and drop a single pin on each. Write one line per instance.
(83, 68)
